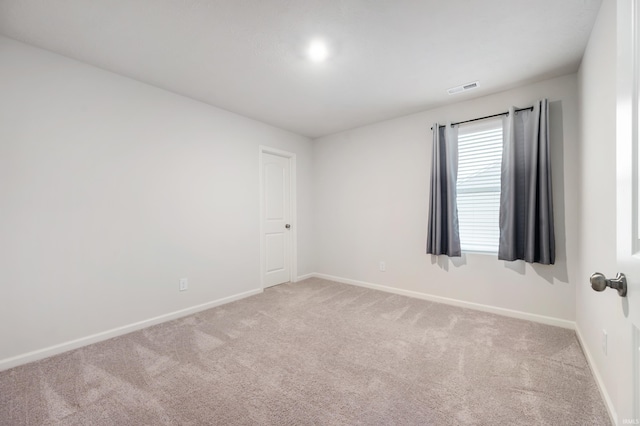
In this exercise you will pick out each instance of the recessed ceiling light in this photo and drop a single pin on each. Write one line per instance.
(318, 51)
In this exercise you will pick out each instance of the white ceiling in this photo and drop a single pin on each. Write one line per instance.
(389, 57)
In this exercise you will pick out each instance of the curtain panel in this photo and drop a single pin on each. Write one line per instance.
(443, 236)
(526, 199)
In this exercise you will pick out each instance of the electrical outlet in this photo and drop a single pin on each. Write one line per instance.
(383, 266)
(604, 342)
(184, 284)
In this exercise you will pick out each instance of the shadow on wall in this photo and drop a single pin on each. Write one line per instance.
(550, 273)
(444, 261)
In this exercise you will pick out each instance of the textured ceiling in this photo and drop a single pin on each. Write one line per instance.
(389, 57)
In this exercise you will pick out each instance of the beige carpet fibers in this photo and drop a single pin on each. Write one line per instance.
(315, 352)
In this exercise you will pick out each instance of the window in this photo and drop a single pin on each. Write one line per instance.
(478, 186)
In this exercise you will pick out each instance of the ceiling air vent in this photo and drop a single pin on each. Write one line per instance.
(463, 88)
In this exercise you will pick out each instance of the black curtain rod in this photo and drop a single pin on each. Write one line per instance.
(488, 116)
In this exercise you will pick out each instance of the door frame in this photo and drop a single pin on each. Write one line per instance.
(293, 234)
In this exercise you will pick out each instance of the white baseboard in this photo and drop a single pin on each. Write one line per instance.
(596, 374)
(304, 277)
(455, 302)
(15, 361)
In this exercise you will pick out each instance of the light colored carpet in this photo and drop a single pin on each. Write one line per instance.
(315, 352)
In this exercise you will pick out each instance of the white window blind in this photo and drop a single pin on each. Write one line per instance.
(479, 164)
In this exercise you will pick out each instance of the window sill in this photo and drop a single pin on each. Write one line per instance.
(485, 253)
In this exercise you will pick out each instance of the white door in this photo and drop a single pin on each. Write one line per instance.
(628, 203)
(276, 219)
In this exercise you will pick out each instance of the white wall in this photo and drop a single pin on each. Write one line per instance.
(371, 189)
(111, 190)
(597, 232)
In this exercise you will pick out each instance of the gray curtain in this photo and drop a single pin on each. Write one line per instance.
(443, 235)
(526, 205)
